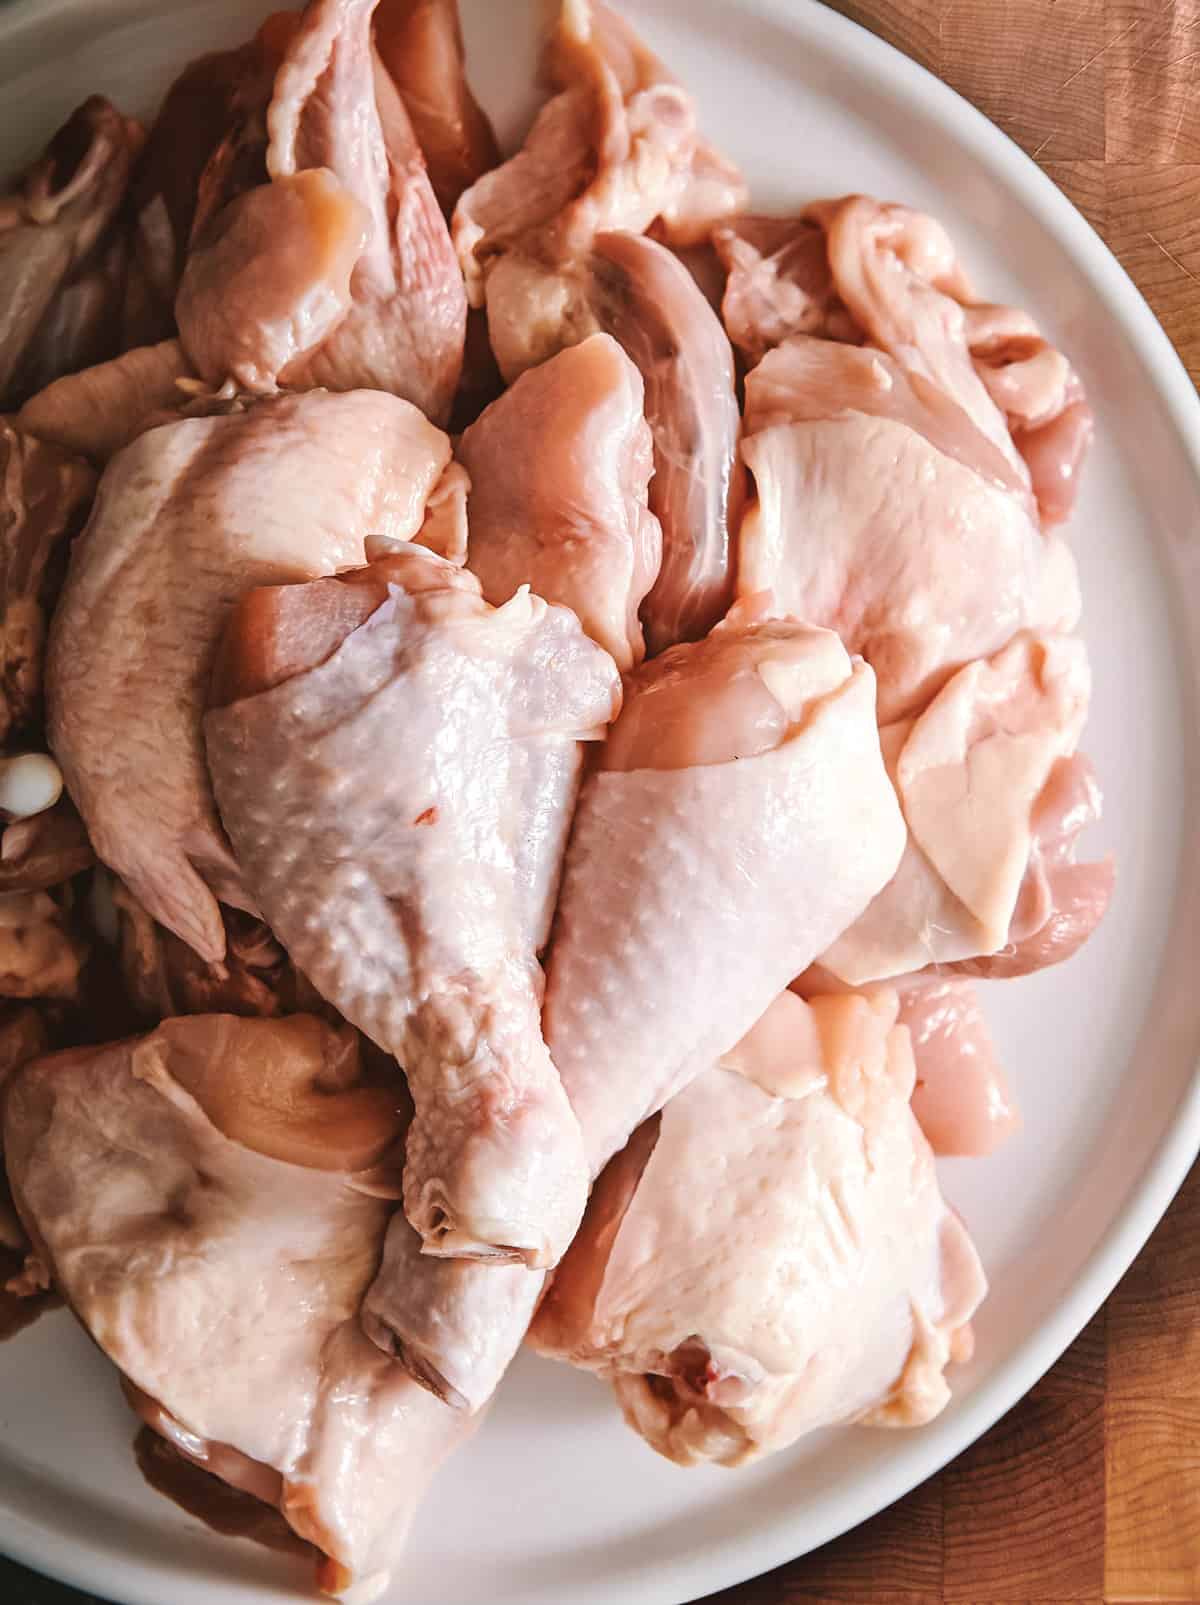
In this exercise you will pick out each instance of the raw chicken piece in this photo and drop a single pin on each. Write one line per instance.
(97, 412)
(615, 149)
(559, 467)
(211, 1200)
(962, 1100)
(885, 514)
(746, 769)
(640, 293)
(44, 498)
(644, 296)
(339, 271)
(856, 269)
(61, 270)
(823, 1280)
(971, 772)
(420, 43)
(778, 284)
(186, 519)
(396, 769)
(203, 107)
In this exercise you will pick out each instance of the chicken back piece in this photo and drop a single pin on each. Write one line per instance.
(339, 271)
(825, 1280)
(420, 43)
(994, 797)
(61, 260)
(559, 468)
(396, 767)
(211, 1199)
(186, 519)
(883, 512)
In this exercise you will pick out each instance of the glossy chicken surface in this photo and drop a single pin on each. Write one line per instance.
(419, 911)
(338, 271)
(559, 469)
(249, 1158)
(825, 1280)
(186, 519)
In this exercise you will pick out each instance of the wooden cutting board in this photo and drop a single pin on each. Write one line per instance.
(1089, 1490)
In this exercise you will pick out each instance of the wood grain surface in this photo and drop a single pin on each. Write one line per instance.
(1089, 1489)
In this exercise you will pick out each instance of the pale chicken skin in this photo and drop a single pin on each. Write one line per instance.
(187, 518)
(398, 801)
(979, 779)
(739, 768)
(864, 271)
(339, 271)
(825, 1280)
(559, 470)
(883, 512)
(210, 1199)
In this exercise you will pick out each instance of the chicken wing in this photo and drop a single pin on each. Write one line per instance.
(396, 765)
(186, 519)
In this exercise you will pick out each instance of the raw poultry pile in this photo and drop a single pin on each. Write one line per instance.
(541, 871)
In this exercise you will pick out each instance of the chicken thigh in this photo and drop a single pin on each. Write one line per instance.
(884, 513)
(824, 1280)
(210, 1199)
(187, 518)
(978, 777)
(396, 764)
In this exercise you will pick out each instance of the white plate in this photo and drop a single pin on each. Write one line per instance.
(556, 1499)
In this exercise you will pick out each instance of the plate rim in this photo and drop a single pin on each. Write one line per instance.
(905, 79)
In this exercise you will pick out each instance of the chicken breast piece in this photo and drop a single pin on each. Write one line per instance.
(396, 769)
(824, 1280)
(186, 519)
(61, 262)
(970, 772)
(884, 513)
(339, 272)
(420, 43)
(210, 1199)
(559, 468)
